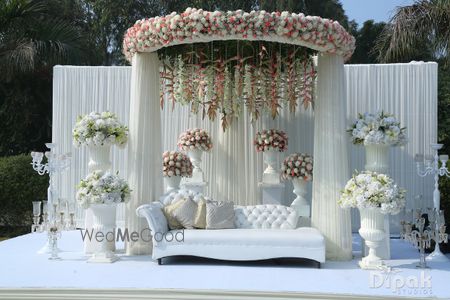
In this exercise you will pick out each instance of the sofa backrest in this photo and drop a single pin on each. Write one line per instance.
(265, 217)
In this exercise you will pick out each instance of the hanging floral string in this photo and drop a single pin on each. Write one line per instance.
(220, 78)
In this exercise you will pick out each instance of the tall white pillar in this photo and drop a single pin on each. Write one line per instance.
(144, 148)
(331, 170)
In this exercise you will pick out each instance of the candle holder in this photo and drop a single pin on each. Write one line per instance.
(429, 165)
(422, 235)
(55, 164)
(55, 227)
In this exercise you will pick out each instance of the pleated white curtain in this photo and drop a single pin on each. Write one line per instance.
(233, 169)
(330, 158)
(144, 146)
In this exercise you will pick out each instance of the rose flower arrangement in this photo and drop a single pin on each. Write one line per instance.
(176, 163)
(195, 139)
(101, 187)
(99, 129)
(371, 189)
(297, 165)
(271, 139)
(377, 129)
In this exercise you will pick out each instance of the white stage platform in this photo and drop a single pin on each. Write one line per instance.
(24, 274)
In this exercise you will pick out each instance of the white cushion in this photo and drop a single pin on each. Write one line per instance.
(185, 213)
(219, 215)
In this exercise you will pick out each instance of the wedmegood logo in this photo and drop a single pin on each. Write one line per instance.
(133, 236)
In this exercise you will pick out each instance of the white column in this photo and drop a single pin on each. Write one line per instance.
(331, 170)
(144, 147)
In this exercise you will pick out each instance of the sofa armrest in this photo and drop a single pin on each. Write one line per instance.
(156, 220)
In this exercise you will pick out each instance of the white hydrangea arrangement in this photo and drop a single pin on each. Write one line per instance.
(101, 187)
(195, 139)
(377, 129)
(99, 129)
(176, 163)
(370, 189)
(297, 165)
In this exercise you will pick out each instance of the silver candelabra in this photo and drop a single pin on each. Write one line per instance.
(422, 235)
(55, 164)
(430, 166)
(65, 220)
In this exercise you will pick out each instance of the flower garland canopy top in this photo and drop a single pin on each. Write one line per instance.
(197, 25)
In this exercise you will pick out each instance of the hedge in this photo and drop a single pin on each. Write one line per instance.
(19, 186)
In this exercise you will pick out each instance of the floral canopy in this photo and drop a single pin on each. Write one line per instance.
(223, 64)
(220, 62)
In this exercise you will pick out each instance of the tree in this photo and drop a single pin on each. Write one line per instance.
(331, 9)
(420, 31)
(365, 42)
(31, 42)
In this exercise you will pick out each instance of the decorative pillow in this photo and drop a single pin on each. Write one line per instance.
(186, 212)
(200, 217)
(168, 213)
(219, 215)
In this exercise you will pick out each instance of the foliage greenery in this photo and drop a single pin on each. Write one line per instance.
(19, 186)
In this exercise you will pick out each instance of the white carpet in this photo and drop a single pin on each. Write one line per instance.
(22, 267)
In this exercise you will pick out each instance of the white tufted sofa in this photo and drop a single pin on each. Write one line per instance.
(262, 232)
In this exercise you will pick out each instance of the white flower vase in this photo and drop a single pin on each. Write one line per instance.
(372, 230)
(99, 158)
(300, 204)
(195, 155)
(104, 217)
(299, 190)
(172, 183)
(271, 174)
(377, 160)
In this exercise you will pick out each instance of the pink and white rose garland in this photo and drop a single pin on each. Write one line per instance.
(197, 25)
(176, 164)
(297, 165)
(195, 139)
(271, 139)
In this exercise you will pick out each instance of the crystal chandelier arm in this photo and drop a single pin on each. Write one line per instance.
(425, 172)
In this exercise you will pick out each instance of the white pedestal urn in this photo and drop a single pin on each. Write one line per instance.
(372, 230)
(271, 173)
(377, 160)
(300, 186)
(104, 222)
(172, 183)
(99, 158)
(195, 155)
(300, 204)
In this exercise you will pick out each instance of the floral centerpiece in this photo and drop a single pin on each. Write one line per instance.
(176, 164)
(373, 190)
(101, 187)
(271, 139)
(99, 129)
(297, 165)
(195, 139)
(377, 129)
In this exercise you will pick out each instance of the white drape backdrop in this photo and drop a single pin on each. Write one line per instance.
(233, 169)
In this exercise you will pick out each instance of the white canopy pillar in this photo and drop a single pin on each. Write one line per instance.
(331, 170)
(144, 147)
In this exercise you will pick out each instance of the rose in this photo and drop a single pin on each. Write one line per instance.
(295, 166)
